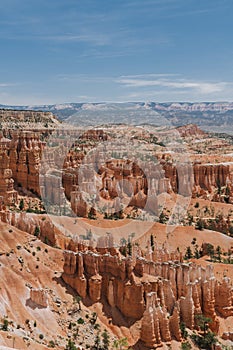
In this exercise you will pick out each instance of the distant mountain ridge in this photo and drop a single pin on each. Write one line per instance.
(164, 106)
(212, 116)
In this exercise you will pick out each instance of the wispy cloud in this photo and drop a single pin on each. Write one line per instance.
(162, 81)
(150, 75)
(91, 39)
(148, 3)
(85, 78)
(4, 85)
(175, 8)
(95, 38)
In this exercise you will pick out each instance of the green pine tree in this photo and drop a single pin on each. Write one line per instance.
(105, 340)
(21, 204)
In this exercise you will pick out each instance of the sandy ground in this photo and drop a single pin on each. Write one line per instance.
(176, 236)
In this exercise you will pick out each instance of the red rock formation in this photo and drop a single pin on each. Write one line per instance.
(74, 273)
(150, 332)
(210, 176)
(209, 304)
(187, 308)
(72, 173)
(224, 298)
(25, 154)
(7, 191)
(190, 130)
(175, 323)
(161, 294)
(95, 285)
(39, 297)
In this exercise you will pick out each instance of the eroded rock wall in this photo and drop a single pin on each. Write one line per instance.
(159, 293)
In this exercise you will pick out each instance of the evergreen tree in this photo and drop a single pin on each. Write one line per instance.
(203, 322)
(184, 333)
(21, 204)
(219, 253)
(186, 346)
(37, 231)
(188, 254)
(97, 342)
(210, 250)
(152, 243)
(129, 248)
(92, 214)
(93, 318)
(163, 218)
(199, 224)
(197, 254)
(205, 342)
(70, 345)
(78, 300)
(219, 191)
(105, 340)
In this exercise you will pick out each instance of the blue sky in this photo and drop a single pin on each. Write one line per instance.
(113, 50)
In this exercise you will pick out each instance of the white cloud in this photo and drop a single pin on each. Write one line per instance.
(171, 83)
(3, 85)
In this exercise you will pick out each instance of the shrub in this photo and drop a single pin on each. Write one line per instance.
(199, 225)
(93, 318)
(51, 344)
(204, 342)
(186, 346)
(80, 320)
(203, 322)
(97, 326)
(37, 231)
(5, 325)
(184, 333)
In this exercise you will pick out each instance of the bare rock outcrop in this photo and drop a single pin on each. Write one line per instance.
(161, 294)
(223, 298)
(25, 154)
(7, 191)
(39, 297)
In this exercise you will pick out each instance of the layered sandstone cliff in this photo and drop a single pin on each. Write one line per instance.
(161, 294)
(27, 120)
(7, 192)
(25, 152)
(63, 172)
(20, 164)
